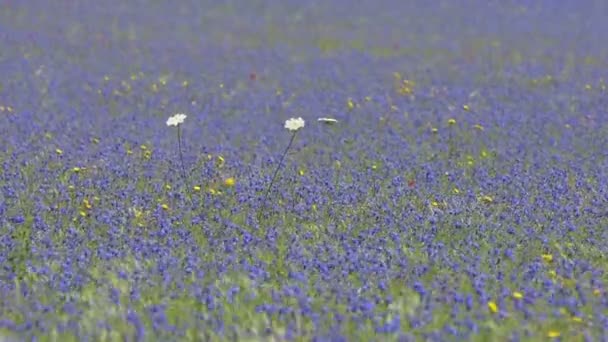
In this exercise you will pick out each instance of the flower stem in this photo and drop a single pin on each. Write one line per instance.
(181, 158)
(276, 172)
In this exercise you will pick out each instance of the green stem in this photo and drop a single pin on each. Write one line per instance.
(181, 158)
(276, 172)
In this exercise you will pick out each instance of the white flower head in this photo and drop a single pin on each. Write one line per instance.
(327, 121)
(294, 124)
(176, 119)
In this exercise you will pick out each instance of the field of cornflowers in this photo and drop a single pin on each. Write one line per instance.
(461, 194)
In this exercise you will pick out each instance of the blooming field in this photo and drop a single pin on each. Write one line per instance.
(459, 193)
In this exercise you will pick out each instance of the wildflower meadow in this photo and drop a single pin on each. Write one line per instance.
(303, 170)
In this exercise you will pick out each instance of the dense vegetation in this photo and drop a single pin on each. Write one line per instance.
(462, 193)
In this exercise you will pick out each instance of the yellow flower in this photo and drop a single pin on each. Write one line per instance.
(6, 108)
(451, 122)
(492, 307)
(220, 161)
(168, 186)
(407, 87)
(466, 107)
(456, 191)
(58, 151)
(547, 257)
(165, 206)
(553, 334)
(76, 169)
(86, 203)
(439, 204)
(517, 295)
(229, 182)
(487, 199)
(137, 213)
(350, 104)
(197, 188)
(434, 130)
(478, 127)
(301, 172)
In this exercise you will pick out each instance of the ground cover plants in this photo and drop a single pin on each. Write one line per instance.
(448, 180)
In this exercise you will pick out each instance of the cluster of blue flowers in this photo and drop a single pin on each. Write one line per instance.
(382, 171)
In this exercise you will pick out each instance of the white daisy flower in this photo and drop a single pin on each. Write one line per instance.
(176, 119)
(294, 124)
(327, 121)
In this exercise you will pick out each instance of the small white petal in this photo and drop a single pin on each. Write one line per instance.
(294, 124)
(176, 119)
(328, 121)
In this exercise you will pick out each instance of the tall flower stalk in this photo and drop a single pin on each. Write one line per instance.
(293, 125)
(333, 164)
(451, 139)
(177, 120)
